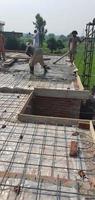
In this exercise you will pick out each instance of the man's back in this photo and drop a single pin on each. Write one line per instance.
(73, 42)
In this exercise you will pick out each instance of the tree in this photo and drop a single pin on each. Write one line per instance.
(40, 26)
(60, 44)
(50, 35)
(23, 41)
(52, 44)
(62, 37)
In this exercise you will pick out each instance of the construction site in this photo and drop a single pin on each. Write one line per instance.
(47, 151)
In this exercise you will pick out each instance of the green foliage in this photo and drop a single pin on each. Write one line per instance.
(45, 48)
(93, 73)
(40, 26)
(60, 44)
(15, 43)
(63, 38)
(79, 61)
(12, 43)
(52, 44)
(50, 35)
(23, 40)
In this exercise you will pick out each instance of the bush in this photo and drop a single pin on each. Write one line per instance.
(60, 44)
(52, 44)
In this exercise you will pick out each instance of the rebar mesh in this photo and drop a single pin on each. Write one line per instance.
(31, 153)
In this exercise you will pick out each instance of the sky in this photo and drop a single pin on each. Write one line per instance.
(62, 16)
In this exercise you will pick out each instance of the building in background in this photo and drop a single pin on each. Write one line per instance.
(13, 34)
(2, 25)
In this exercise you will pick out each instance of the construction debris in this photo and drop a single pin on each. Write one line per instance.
(82, 174)
(3, 126)
(75, 134)
(9, 62)
(17, 189)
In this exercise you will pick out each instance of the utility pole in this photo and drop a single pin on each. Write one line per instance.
(88, 54)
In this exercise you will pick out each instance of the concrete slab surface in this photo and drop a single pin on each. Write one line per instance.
(60, 76)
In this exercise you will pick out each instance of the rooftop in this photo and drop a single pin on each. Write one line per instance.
(40, 160)
(60, 76)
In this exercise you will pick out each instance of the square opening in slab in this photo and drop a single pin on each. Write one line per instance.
(51, 104)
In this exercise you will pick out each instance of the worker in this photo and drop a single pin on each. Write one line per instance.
(36, 54)
(36, 39)
(2, 46)
(36, 57)
(73, 45)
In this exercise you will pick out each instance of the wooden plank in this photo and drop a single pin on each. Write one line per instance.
(49, 120)
(23, 56)
(19, 56)
(33, 177)
(62, 93)
(61, 57)
(15, 90)
(9, 62)
(52, 180)
(78, 84)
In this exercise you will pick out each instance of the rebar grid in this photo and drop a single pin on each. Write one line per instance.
(59, 77)
(42, 150)
(26, 82)
(11, 104)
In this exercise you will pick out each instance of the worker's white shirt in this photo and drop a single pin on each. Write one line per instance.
(36, 40)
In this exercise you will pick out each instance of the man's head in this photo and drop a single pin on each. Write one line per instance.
(35, 31)
(74, 33)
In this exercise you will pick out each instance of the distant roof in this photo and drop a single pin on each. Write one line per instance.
(13, 33)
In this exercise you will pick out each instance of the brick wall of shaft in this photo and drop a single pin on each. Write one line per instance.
(56, 107)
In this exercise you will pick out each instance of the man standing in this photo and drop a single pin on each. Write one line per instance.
(2, 46)
(73, 45)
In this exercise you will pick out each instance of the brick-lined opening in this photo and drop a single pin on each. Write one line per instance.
(53, 107)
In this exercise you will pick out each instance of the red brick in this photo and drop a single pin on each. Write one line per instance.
(84, 126)
(74, 149)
